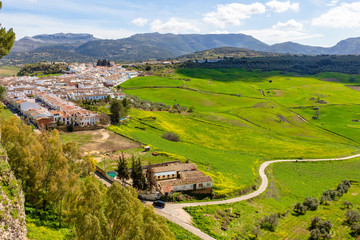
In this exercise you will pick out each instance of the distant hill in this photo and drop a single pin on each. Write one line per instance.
(147, 46)
(225, 52)
(60, 40)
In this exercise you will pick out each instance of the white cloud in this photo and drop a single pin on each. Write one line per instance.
(139, 21)
(233, 13)
(219, 32)
(279, 7)
(289, 25)
(332, 3)
(282, 32)
(173, 26)
(344, 16)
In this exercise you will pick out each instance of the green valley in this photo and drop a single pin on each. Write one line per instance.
(243, 118)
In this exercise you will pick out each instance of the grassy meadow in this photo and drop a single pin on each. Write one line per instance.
(289, 183)
(8, 71)
(242, 118)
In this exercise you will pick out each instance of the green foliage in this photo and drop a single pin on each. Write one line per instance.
(320, 229)
(123, 170)
(311, 203)
(70, 128)
(119, 109)
(300, 208)
(137, 176)
(291, 63)
(171, 136)
(50, 173)
(103, 62)
(270, 222)
(41, 68)
(7, 39)
(352, 216)
(2, 93)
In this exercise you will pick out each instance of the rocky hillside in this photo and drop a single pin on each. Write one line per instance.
(12, 213)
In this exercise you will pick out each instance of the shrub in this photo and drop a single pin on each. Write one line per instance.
(355, 229)
(311, 203)
(352, 216)
(319, 234)
(171, 137)
(324, 200)
(320, 229)
(269, 222)
(70, 128)
(347, 204)
(300, 209)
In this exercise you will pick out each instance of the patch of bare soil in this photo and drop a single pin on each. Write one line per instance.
(356, 88)
(104, 141)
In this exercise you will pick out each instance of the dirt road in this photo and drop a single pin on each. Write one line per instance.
(175, 212)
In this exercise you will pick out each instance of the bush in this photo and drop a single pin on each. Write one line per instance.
(311, 203)
(300, 209)
(269, 222)
(355, 229)
(320, 229)
(347, 204)
(70, 128)
(352, 216)
(171, 137)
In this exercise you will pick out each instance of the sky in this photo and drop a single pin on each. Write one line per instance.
(310, 22)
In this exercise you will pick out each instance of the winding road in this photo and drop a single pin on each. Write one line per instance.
(174, 212)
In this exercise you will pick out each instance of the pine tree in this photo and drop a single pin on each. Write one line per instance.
(116, 110)
(7, 39)
(137, 176)
(123, 170)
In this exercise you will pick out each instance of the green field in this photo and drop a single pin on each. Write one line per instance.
(290, 183)
(8, 71)
(243, 118)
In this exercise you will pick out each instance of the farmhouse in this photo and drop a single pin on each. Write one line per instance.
(178, 177)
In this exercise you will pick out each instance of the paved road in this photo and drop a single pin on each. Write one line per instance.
(174, 212)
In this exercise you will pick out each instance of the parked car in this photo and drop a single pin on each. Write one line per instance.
(158, 203)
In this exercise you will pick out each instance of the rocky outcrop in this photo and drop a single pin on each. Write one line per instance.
(12, 212)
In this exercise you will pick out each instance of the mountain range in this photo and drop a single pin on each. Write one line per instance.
(139, 47)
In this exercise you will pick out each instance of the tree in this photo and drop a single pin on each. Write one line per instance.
(171, 136)
(126, 106)
(7, 39)
(91, 221)
(311, 203)
(117, 111)
(355, 229)
(299, 208)
(352, 216)
(320, 229)
(88, 164)
(123, 170)
(347, 204)
(137, 175)
(270, 222)
(2, 93)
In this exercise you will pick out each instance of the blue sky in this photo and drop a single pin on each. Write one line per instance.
(316, 22)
